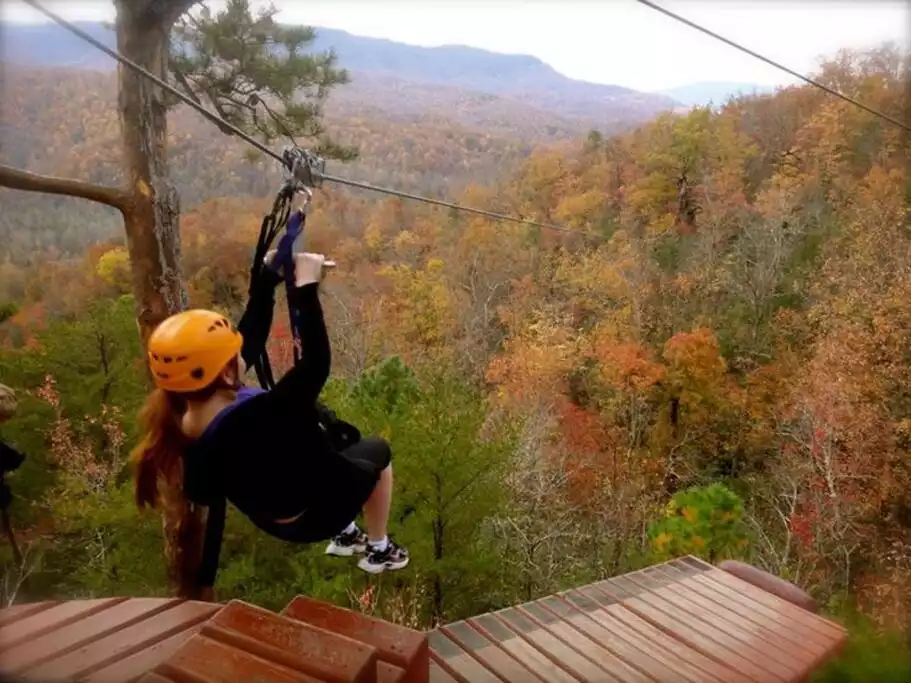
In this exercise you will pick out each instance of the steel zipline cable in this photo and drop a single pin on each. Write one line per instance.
(219, 121)
(795, 74)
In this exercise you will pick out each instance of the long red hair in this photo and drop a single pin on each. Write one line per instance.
(158, 467)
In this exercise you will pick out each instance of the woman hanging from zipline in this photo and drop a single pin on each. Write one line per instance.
(281, 458)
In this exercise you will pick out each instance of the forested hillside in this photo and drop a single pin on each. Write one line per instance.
(723, 371)
(511, 92)
(64, 122)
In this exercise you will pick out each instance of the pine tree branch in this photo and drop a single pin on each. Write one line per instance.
(184, 84)
(18, 179)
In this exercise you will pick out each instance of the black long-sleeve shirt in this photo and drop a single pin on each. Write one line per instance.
(263, 453)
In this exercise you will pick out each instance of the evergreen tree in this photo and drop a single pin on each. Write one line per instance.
(257, 73)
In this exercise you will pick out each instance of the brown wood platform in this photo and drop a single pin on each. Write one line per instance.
(153, 640)
(104, 641)
(681, 621)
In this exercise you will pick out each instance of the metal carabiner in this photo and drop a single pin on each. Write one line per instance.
(303, 166)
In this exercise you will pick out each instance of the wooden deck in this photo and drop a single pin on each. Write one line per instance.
(680, 621)
(102, 641)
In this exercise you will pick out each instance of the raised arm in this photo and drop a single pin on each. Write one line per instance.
(302, 384)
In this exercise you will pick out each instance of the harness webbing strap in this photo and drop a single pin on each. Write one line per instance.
(293, 223)
(285, 256)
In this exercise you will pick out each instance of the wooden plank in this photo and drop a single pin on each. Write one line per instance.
(593, 651)
(805, 633)
(397, 645)
(55, 617)
(618, 639)
(710, 641)
(774, 655)
(521, 650)
(700, 568)
(89, 629)
(790, 655)
(709, 668)
(783, 613)
(770, 619)
(202, 660)
(553, 648)
(801, 656)
(677, 625)
(693, 563)
(319, 653)
(389, 673)
(124, 642)
(13, 613)
(439, 675)
(817, 623)
(153, 677)
(488, 653)
(131, 667)
(458, 662)
(770, 584)
(745, 645)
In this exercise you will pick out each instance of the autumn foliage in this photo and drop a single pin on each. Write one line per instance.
(733, 342)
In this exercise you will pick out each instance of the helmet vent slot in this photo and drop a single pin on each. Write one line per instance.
(198, 373)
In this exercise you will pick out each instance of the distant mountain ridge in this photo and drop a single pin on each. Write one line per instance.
(713, 92)
(523, 82)
(458, 65)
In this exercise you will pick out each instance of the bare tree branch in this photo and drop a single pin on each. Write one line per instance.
(18, 179)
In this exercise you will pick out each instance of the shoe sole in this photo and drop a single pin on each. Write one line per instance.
(380, 568)
(345, 550)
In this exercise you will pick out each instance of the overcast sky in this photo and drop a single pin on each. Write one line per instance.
(605, 41)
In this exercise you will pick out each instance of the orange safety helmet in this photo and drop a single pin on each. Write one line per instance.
(188, 350)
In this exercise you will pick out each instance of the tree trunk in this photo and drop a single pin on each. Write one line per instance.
(150, 204)
(153, 211)
(152, 215)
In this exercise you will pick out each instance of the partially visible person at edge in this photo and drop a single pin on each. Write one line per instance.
(284, 460)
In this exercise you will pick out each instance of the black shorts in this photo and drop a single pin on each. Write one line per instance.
(335, 503)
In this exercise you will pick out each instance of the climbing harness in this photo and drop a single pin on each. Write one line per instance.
(303, 172)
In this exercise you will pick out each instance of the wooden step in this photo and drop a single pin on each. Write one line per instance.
(402, 652)
(246, 643)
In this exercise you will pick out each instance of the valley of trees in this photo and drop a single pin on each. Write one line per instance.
(724, 371)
